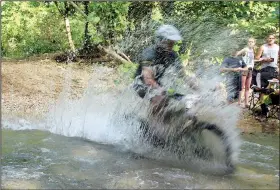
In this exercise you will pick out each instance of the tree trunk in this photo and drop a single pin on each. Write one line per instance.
(87, 36)
(68, 31)
(108, 50)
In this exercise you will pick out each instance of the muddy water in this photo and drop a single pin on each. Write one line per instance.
(40, 159)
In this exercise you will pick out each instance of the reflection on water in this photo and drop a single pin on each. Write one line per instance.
(38, 159)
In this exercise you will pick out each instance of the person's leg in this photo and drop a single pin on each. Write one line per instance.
(243, 80)
(254, 77)
(158, 103)
(264, 113)
(275, 99)
(230, 92)
(247, 88)
(265, 76)
(233, 89)
(232, 86)
(230, 96)
(258, 80)
(139, 87)
(238, 87)
(264, 109)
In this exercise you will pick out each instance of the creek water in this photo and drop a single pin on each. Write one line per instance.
(77, 146)
(40, 159)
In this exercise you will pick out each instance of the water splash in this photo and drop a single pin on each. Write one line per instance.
(99, 115)
(203, 40)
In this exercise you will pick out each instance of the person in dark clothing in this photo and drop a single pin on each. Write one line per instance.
(272, 98)
(153, 64)
(158, 71)
(154, 61)
(274, 101)
(233, 66)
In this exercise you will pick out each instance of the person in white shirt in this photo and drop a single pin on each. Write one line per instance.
(248, 57)
(268, 56)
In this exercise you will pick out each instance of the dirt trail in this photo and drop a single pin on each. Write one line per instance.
(29, 87)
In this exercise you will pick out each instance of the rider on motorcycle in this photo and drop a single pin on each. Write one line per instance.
(180, 131)
(154, 63)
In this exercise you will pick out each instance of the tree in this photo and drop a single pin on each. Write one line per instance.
(87, 36)
(66, 10)
(30, 28)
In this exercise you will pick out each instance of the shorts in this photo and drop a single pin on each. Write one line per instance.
(267, 73)
(247, 73)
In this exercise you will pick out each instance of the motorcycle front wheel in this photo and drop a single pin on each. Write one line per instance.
(207, 142)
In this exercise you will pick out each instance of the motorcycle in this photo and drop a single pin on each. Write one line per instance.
(178, 130)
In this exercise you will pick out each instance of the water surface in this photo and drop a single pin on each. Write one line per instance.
(40, 159)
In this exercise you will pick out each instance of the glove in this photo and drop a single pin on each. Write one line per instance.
(170, 92)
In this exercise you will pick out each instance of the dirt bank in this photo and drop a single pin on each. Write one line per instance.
(30, 86)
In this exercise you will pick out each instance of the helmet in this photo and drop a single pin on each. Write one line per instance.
(168, 32)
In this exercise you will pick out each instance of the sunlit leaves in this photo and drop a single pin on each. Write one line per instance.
(37, 27)
(110, 19)
(29, 29)
(93, 18)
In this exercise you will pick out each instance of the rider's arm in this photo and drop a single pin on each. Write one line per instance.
(234, 69)
(230, 69)
(242, 69)
(148, 77)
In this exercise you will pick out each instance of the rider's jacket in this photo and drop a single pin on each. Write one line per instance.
(159, 60)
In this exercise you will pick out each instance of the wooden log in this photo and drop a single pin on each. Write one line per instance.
(125, 56)
(113, 54)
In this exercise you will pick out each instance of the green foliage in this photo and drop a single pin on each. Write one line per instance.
(93, 18)
(30, 28)
(111, 27)
(126, 72)
(128, 69)
(267, 100)
(263, 19)
(211, 30)
(258, 18)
